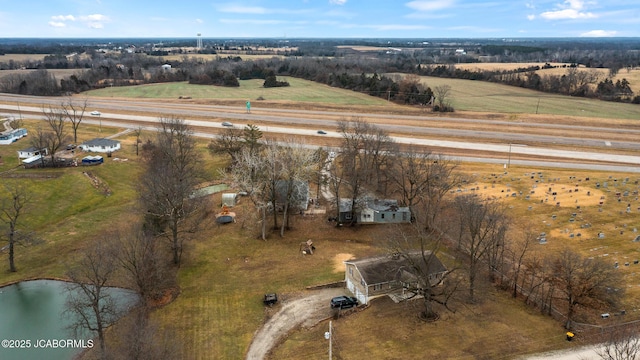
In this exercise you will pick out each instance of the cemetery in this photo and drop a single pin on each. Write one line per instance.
(596, 214)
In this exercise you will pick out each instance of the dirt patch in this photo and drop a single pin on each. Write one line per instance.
(338, 262)
(564, 195)
(561, 195)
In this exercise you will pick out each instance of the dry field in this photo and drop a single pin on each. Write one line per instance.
(21, 57)
(632, 75)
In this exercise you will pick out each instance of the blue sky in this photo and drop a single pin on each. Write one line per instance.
(320, 18)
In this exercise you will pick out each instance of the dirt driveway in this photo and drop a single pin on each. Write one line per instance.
(305, 310)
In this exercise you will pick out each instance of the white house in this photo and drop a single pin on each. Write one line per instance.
(100, 145)
(31, 152)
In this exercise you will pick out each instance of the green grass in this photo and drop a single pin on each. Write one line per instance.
(299, 91)
(480, 96)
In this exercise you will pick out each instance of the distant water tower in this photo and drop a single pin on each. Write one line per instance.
(199, 44)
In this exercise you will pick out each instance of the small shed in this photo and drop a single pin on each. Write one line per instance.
(229, 199)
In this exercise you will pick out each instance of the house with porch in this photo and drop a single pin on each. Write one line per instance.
(30, 152)
(374, 211)
(382, 275)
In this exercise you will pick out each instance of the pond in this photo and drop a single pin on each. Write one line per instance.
(32, 323)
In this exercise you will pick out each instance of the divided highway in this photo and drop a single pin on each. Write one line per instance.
(600, 147)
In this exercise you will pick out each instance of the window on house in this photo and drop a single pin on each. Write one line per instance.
(377, 287)
(350, 271)
(381, 216)
(393, 216)
(362, 282)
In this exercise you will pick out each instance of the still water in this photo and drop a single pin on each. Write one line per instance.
(32, 323)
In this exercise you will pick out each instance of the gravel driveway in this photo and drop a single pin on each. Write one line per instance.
(305, 310)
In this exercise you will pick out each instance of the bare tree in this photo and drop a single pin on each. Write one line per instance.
(144, 265)
(442, 94)
(40, 141)
(250, 175)
(621, 343)
(13, 207)
(518, 251)
(74, 112)
(363, 152)
(586, 282)
(229, 142)
(422, 178)
(296, 166)
(54, 140)
(423, 273)
(138, 132)
(140, 338)
(482, 225)
(91, 305)
(168, 182)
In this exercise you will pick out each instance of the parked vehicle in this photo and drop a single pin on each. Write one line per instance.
(270, 299)
(226, 123)
(322, 132)
(343, 302)
(95, 113)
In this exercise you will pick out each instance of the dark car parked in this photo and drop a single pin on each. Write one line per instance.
(343, 302)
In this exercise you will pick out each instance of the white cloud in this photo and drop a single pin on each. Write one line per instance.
(337, 2)
(199, 21)
(599, 33)
(242, 9)
(94, 17)
(430, 5)
(93, 21)
(63, 18)
(531, 17)
(570, 9)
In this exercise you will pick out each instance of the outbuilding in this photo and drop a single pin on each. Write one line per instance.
(229, 199)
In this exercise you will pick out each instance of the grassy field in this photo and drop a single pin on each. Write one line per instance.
(299, 91)
(478, 96)
(466, 95)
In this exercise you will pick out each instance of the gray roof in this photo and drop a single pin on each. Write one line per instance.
(101, 142)
(30, 149)
(387, 268)
(373, 204)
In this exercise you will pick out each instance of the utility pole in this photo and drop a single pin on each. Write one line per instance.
(328, 335)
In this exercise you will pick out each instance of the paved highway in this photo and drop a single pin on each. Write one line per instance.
(506, 139)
